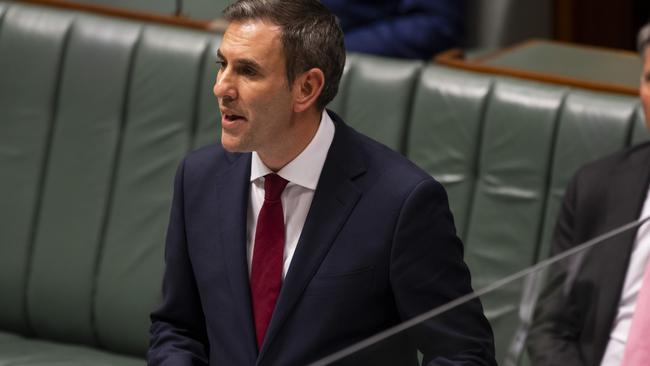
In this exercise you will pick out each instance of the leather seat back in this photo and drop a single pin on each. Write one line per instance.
(159, 126)
(505, 149)
(376, 95)
(32, 49)
(96, 112)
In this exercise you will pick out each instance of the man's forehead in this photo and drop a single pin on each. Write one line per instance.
(251, 33)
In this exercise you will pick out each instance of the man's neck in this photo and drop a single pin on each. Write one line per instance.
(303, 131)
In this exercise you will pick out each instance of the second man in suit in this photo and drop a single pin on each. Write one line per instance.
(586, 314)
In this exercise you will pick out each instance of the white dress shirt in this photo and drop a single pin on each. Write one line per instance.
(302, 173)
(631, 286)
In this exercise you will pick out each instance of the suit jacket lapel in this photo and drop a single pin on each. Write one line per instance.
(233, 185)
(334, 199)
(625, 200)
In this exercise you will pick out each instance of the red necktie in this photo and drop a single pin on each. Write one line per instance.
(637, 347)
(266, 271)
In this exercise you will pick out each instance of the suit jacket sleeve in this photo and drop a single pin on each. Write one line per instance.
(177, 334)
(427, 270)
(421, 29)
(554, 335)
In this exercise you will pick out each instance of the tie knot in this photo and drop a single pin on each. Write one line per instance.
(273, 186)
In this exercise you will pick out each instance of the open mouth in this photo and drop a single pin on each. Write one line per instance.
(233, 118)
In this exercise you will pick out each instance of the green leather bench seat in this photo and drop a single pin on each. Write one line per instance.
(505, 150)
(194, 9)
(20, 351)
(375, 97)
(8, 337)
(27, 88)
(96, 112)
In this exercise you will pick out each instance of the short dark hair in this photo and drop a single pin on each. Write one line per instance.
(643, 39)
(311, 37)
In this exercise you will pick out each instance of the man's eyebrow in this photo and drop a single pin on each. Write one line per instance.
(241, 62)
(248, 63)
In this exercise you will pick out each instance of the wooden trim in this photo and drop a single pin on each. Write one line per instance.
(125, 13)
(533, 41)
(508, 49)
(452, 53)
(450, 58)
(590, 47)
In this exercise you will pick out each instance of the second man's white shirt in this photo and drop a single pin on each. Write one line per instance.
(627, 303)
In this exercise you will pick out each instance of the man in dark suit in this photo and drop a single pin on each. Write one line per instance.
(297, 236)
(585, 313)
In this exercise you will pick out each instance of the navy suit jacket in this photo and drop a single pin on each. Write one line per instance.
(378, 247)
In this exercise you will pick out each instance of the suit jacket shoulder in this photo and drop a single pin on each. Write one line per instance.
(603, 169)
(211, 157)
(381, 163)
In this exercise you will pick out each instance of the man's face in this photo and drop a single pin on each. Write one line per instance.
(252, 88)
(644, 88)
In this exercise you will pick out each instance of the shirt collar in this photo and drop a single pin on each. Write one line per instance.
(305, 169)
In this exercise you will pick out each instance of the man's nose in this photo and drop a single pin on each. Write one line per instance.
(224, 87)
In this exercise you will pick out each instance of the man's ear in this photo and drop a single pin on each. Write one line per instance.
(307, 89)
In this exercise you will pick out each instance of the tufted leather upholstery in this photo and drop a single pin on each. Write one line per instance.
(95, 114)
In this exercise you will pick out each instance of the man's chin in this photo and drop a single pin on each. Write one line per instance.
(233, 145)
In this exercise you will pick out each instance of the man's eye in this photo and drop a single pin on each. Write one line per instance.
(221, 64)
(248, 71)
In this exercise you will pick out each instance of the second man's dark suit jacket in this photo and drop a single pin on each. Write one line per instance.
(576, 311)
(378, 247)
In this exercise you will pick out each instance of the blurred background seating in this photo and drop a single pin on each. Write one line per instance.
(96, 110)
(489, 24)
